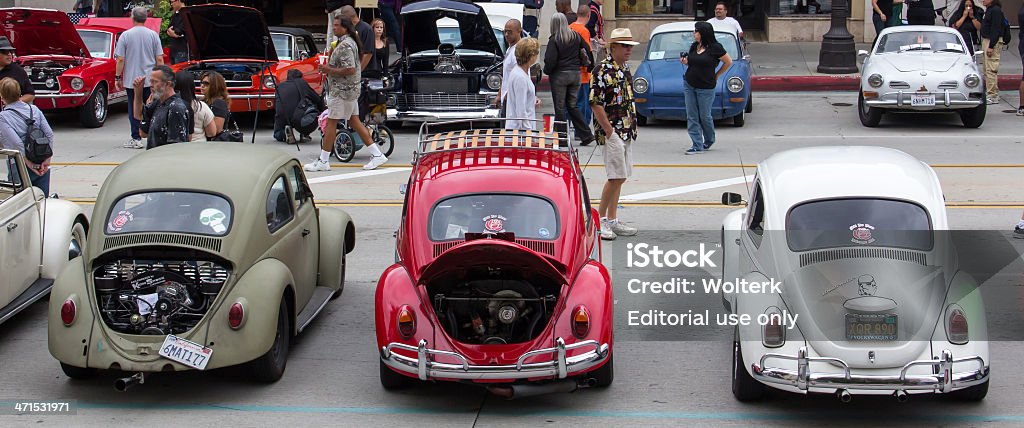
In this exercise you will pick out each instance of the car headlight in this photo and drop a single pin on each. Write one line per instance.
(972, 80)
(875, 80)
(269, 82)
(494, 81)
(77, 83)
(640, 85)
(735, 84)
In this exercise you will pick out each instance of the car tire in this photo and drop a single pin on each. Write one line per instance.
(384, 138)
(341, 275)
(738, 120)
(750, 103)
(974, 117)
(641, 120)
(78, 372)
(869, 116)
(93, 113)
(270, 367)
(605, 375)
(973, 394)
(344, 146)
(744, 387)
(391, 380)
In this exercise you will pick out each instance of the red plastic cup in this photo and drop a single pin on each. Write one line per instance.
(549, 122)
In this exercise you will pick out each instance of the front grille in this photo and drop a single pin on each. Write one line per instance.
(443, 84)
(896, 84)
(862, 253)
(442, 102)
(949, 84)
(212, 244)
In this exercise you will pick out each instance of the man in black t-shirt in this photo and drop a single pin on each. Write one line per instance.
(880, 16)
(366, 44)
(176, 32)
(9, 68)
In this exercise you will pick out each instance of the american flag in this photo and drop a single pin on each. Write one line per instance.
(75, 17)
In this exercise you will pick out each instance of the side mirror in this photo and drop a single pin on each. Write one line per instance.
(745, 57)
(402, 188)
(979, 56)
(303, 55)
(862, 55)
(731, 199)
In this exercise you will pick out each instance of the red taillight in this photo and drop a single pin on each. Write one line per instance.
(957, 330)
(773, 334)
(580, 322)
(235, 315)
(406, 322)
(67, 312)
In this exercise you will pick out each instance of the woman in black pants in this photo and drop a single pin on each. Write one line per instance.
(921, 12)
(562, 64)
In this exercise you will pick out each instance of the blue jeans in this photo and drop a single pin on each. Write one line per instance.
(699, 123)
(41, 181)
(583, 103)
(131, 114)
(391, 24)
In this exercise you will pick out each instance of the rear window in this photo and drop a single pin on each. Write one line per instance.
(179, 212)
(526, 216)
(858, 222)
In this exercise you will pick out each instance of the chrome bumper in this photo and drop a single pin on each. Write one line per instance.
(48, 96)
(559, 367)
(424, 116)
(943, 379)
(945, 99)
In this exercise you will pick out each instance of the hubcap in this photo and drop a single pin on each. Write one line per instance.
(100, 106)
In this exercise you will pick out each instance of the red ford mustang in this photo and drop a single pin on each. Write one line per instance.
(71, 67)
(499, 278)
(235, 41)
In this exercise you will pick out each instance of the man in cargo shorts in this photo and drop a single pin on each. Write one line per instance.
(615, 122)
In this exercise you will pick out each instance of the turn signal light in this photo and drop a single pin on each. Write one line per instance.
(580, 322)
(67, 312)
(957, 327)
(406, 322)
(235, 316)
(773, 334)
(870, 95)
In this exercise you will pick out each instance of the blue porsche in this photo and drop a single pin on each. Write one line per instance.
(658, 81)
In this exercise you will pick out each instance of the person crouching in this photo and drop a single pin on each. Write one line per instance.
(296, 107)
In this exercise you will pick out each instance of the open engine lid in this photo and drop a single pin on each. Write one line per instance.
(41, 32)
(421, 18)
(494, 253)
(219, 31)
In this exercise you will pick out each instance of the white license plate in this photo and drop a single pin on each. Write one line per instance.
(922, 100)
(186, 352)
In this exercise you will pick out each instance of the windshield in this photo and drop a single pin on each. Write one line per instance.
(283, 46)
(669, 45)
(527, 217)
(856, 222)
(181, 212)
(97, 42)
(923, 41)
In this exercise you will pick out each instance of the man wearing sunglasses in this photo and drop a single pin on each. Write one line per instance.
(11, 69)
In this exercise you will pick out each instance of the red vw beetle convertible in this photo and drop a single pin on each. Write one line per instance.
(498, 279)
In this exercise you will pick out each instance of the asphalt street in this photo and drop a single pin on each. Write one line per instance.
(332, 371)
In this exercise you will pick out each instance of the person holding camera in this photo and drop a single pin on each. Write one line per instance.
(967, 20)
(699, 85)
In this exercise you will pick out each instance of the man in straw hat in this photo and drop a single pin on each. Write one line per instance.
(11, 69)
(615, 122)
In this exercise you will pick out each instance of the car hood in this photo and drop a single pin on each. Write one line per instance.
(420, 32)
(219, 31)
(665, 76)
(500, 13)
(924, 61)
(41, 32)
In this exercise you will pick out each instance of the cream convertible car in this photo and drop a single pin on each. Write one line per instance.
(204, 256)
(872, 299)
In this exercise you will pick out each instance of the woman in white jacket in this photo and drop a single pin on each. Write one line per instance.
(521, 102)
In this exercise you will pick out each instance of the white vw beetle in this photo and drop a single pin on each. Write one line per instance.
(37, 237)
(872, 300)
(915, 68)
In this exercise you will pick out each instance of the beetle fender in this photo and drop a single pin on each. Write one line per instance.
(67, 343)
(964, 292)
(260, 291)
(336, 227)
(593, 290)
(394, 290)
(59, 217)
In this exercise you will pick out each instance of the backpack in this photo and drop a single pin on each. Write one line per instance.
(1006, 31)
(37, 144)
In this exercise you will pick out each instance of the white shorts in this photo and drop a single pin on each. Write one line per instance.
(618, 157)
(339, 108)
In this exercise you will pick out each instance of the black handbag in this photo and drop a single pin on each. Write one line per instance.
(230, 135)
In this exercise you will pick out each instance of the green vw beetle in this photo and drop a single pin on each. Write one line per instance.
(203, 256)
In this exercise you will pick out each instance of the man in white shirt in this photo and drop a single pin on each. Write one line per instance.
(513, 33)
(720, 18)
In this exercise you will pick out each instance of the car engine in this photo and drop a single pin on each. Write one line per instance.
(156, 297)
(448, 60)
(43, 74)
(494, 311)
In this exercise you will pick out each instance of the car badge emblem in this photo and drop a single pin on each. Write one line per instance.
(862, 233)
(922, 89)
(494, 223)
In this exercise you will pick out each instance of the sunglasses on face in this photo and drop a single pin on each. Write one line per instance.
(204, 83)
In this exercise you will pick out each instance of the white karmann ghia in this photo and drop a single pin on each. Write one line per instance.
(915, 68)
(872, 300)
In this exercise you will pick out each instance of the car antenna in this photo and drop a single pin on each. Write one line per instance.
(743, 169)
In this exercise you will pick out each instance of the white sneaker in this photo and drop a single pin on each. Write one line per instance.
(993, 101)
(375, 161)
(622, 229)
(317, 165)
(606, 231)
(134, 144)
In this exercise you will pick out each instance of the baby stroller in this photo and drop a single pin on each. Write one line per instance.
(372, 111)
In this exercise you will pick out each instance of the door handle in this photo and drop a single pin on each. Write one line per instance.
(12, 226)
(305, 232)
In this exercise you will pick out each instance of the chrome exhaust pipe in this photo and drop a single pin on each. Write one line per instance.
(844, 396)
(124, 383)
(511, 392)
(901, 395)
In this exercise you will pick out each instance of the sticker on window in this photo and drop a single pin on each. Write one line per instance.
(214, 219)
(657, 55)
(544, 232)
(862, 233)
(122, 218)
(494, 223)
(455, 231)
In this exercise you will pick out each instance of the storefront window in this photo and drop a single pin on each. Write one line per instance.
(804, 7)
(653, 7)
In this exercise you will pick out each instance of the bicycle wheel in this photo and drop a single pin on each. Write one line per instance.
(384, 139)
(344, 146)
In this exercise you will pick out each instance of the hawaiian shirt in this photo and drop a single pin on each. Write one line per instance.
(611, 87)
(345, 55)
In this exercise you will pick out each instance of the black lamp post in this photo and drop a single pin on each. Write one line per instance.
(838, 52)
